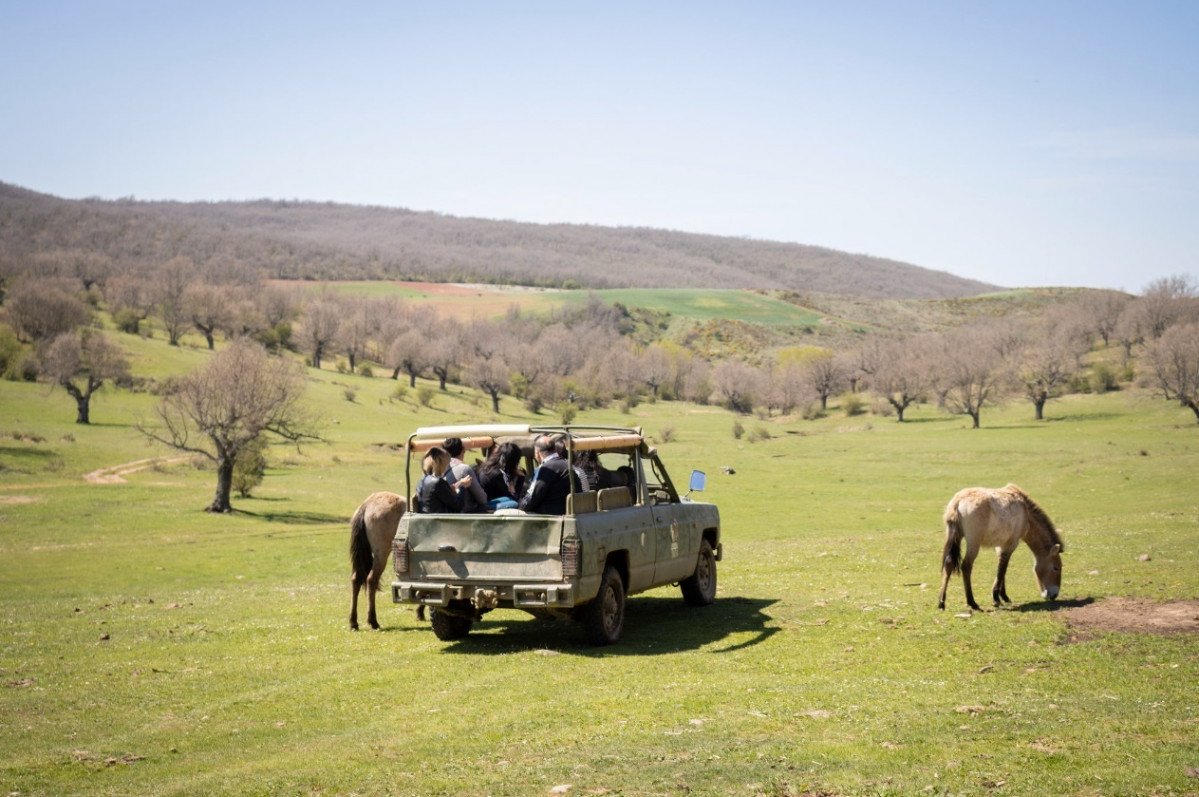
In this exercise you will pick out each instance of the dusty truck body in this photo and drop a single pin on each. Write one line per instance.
(633, 532)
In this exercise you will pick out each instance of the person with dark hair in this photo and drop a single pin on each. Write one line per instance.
(434, 495)
(474, 499)
(580, 477)
(502, 478)
(551, 480)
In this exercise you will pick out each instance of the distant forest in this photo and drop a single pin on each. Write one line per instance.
(247, 241)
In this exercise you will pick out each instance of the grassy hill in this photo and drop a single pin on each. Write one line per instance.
(325, 241)
(151, 648)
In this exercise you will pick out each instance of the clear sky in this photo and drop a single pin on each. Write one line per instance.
(1019, 143)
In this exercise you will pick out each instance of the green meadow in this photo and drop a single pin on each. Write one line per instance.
(152, 649)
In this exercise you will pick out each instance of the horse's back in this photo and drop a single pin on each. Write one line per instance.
(381, 512)
(988, 516)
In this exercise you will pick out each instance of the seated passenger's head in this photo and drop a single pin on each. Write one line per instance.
(453, 445)
(436, 461)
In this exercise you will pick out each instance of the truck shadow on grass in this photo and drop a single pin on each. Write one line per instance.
(652, 626)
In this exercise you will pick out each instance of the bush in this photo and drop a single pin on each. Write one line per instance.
(400, 393)
(366, 371)
(127, 320)
(566, 412)
(249, 467)
(853, 404)
(738, 430)
(1103, 378)
(425, 395)
(667, 434)
(350, 394)
(759, 433)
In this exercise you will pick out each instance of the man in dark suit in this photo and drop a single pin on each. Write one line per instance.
(551, 480)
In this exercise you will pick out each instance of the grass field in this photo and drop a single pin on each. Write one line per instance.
(152, 649)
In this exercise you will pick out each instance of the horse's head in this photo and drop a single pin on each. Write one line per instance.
(1049, 572)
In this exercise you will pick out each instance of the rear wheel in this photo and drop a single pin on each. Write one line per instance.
(603, 618)
(700, 588)
(449, 627)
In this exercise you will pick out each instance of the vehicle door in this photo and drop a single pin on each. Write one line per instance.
(676, 539)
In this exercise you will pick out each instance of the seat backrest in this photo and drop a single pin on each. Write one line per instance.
(614, 498)
(582, 503)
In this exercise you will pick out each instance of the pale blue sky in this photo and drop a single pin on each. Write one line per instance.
(1020, 143)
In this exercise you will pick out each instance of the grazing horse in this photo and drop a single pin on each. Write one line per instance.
(999, 518)
(372, 530)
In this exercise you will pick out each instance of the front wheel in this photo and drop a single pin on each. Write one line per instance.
(603, 618)
(700, 588)
(449, 627)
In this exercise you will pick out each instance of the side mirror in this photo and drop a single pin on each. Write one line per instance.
(698, 479)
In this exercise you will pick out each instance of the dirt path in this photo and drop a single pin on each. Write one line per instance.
(115, 474)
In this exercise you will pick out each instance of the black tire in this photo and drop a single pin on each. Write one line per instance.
(603, 618)
(449, 627)
(700, 588)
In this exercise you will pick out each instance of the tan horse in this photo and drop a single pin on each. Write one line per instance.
(999, 518)
(372, 530)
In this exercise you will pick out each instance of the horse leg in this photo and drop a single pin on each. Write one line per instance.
(372, 586)
(967, 568)
(355, 585)
(999, 589)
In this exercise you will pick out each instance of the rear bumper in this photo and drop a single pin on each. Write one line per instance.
(485, 596)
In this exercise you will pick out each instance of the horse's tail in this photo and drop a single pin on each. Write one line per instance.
(361, 558)
(952, 558)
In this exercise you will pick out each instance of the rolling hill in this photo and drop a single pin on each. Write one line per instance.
(326, 241)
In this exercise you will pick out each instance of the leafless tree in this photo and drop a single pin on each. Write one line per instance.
(80, 362)
(210, 308)
(969, 372)
(319, 325)
(736, 384)
(408, 353)
(222, 408)
(902, 372)
(41, 309)
(654, 368)
(359, 326)
(1174, 358)
(1165, 301)
(825, 373)
(131, 299)
(1102, 311)
(172, 285)
(1051, 356)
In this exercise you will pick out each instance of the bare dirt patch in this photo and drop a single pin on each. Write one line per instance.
(1134, 616)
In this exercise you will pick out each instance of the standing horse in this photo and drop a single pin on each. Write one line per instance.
(999, 518)
(372, 530)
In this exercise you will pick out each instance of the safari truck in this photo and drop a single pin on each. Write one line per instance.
(631, 532)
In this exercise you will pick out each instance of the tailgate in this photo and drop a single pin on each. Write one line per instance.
(485, 548)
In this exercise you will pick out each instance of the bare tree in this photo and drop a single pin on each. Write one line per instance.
(655, 368)
(80, 362)
(41, 309)
(1102, 310)
(210, 308)
(736, 384)
(901, 373)
(130, 299)
(219, 410)
(969, 372)
(319, 326)
(1174, 358)
(824, 373)
(1164, 302)
(1051, 357)
(489, 374)
(172, 284)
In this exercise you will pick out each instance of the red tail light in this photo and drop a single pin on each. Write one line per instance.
(571, 551)
(399, 557)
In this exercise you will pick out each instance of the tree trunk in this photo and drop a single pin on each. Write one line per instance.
(83, 406)
(495, 401)
(412, 379)
(224, 484)
(1194, 405)
(974, 416)
(1040, 405)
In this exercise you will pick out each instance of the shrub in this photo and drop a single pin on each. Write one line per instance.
(400, 393)
(758, 433)
(249, 467)
(127, 320)
(1103, 378)
(425, 395)
(853, 404)
(366, 371)
(566, 411)
(667, 435)
(738, 430)
(350, 394)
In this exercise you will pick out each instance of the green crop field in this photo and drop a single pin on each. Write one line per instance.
(149, 648)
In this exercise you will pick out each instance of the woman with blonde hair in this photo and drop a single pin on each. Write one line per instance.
(434, 495)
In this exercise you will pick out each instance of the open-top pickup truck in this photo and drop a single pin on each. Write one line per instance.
(630, 533)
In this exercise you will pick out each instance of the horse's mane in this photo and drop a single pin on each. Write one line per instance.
(1039, 515)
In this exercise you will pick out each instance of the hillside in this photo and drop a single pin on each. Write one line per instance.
(326, 241)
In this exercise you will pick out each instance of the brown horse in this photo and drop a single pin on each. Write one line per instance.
(372, 530)
(999, 518)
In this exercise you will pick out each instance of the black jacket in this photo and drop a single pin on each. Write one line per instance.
(434, 496)
(551, 485)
